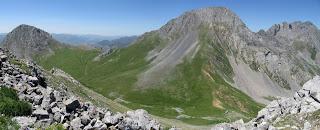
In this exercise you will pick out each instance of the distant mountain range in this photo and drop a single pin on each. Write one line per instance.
(74, 39)
(81, 39)
(2, 36)
(117, 43)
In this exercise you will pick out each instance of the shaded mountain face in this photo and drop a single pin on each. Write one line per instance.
(27, 41)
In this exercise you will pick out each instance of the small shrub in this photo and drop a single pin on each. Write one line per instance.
(7, 124)
(55, 127)
(10, 104)
(8, 93)
(21, 65)
(313, 53)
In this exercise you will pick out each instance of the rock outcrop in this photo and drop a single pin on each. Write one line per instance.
(27, 42)
(56, 106)
(304, 103)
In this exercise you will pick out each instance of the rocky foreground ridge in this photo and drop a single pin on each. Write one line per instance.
(51, 106)
(302, 111)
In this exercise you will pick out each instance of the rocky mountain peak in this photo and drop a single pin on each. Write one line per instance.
(29, 33)
(31, 30)
(297, 34)
(190, 21)
(25, 41)
(295, 30)
(217, 14)
(291, 28)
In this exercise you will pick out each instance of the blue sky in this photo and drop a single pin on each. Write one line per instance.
(134, 17)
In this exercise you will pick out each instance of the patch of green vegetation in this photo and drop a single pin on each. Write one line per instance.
(289, 120)
(215, 53)
(204, 121)
(6, 123)
(295, 120)
(21, 65)
(313, 53)
(10, 104)
(198, 86)
(54, 127)
(270, 98)
(315, 115)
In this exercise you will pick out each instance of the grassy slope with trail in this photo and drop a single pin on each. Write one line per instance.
(201, 92)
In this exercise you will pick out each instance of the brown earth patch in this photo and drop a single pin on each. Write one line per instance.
(206, 73)
(216, 103)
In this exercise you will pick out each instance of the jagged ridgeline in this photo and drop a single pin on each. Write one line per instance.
(202, 67)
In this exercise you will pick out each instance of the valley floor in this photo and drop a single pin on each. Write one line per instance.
(87, 94)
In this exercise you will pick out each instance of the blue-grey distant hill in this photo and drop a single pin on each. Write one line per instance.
(117, 43)
(2, 36)
(75, 39)
(81, 39)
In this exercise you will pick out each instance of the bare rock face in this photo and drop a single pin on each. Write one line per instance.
(139, 119)
(300, 106)
(27, 41)
(72, 104)
(304, 101)
(286, 53)
(24, 122)
(190, 21)
(40, 114)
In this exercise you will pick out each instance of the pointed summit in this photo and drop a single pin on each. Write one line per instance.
(193, 19)
(27, 41)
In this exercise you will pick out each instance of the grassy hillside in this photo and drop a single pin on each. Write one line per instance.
(195, 93)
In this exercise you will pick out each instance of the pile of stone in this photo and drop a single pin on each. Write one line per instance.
(306, 100)
(52, 106)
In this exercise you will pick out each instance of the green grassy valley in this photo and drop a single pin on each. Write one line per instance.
(196, 93)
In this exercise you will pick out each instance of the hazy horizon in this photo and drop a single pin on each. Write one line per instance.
(126, 18)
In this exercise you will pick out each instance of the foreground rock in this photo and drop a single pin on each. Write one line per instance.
(305, 103)
(51, 106)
